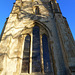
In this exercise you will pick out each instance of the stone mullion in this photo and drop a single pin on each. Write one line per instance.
(31, 47)
(41, 52)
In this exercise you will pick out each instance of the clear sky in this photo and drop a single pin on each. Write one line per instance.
(67, 7)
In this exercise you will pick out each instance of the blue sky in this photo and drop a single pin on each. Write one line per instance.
(67, 7)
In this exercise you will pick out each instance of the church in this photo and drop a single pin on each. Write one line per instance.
(36, 40)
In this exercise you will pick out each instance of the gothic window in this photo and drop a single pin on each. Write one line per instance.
(46, 56)
(26, 54)
(36, 54)
(36, 62)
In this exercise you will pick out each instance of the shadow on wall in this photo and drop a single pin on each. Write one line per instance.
(26, 14)
(31, 17)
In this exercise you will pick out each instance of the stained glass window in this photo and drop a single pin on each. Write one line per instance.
(36, 62)
(46, 56)
(36, 53)
(26, 54)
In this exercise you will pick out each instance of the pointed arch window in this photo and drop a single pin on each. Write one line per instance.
(26, 55)
(46, 56)
(36, 59)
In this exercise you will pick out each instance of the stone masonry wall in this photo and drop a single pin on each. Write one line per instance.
(20, 23)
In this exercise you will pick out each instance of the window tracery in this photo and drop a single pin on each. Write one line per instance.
(36, 53)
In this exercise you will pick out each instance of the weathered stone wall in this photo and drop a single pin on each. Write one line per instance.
(20, 23)
(66, 39)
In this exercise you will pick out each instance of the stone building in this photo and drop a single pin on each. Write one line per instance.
(36, 40)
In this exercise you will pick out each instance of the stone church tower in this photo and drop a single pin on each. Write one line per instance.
(36, 40)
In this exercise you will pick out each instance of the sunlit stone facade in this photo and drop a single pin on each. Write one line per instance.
(36, 40)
